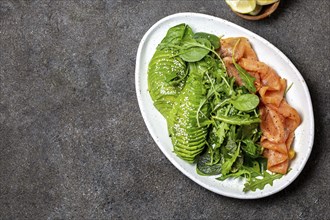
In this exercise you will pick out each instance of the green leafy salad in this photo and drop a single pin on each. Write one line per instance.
(212, 122)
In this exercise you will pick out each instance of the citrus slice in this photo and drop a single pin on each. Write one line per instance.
(256, 10)
(266, 2)
(242, 6)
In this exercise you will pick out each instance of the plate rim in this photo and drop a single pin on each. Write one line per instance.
(272, 47)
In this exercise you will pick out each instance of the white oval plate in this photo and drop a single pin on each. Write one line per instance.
(298, 97)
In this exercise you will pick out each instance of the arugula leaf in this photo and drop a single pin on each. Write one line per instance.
(251, 149)
(218, 134)
(234, 175)
(226, 166)
(237, 120)
(238, 164)
(247, 79)
(255, 183)
(287, 89)
(256, 166)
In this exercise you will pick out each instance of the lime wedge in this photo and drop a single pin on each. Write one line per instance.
(266, 2)
(242, 6)
(256, 10)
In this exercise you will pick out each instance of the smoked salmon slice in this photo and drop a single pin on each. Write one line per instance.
(279, 120)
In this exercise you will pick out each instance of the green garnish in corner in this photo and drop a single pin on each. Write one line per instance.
(259, 183)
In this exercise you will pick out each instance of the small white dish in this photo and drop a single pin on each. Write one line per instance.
(298, 97)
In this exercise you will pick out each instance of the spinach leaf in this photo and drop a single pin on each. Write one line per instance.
(175, 35)
(215, 41)
(205, 166)
(245, 102)
(188, 34)
(194, 50)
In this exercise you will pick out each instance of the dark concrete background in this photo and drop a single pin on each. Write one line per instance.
(73, 144)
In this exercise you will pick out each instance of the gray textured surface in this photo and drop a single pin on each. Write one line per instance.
(73, 143)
